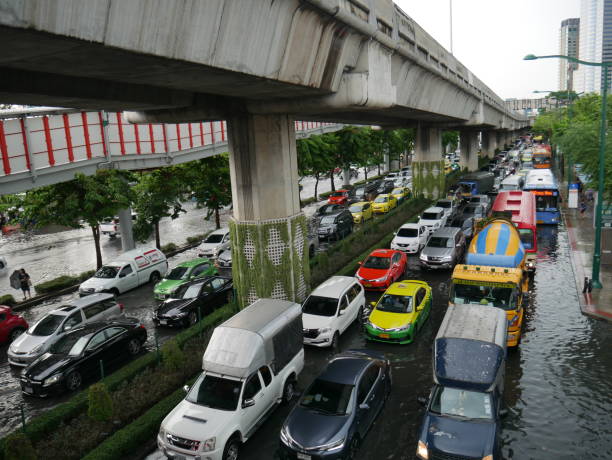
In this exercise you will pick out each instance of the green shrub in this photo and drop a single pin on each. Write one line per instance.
(193, 240)
(19, 447)
(57, 284)
(100, 404)
(86, 275)
(166, 248)
(7, 299)
(172, 356)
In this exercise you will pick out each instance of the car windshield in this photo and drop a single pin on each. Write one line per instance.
(380, 263)
(470, 210)
(337, 194)
(189, 291)
(461, 403)
(397, 191)
(526, 235)
(215, 392)
(408, 232)
(48, 325)
(327, 220)
(381, 199)
(320, 306)
(355, 208)
(177, 273)
(71, 344)
(106, 271)
(439, 242)
(444, 204)
(214, 238)
(395, 303)
(327, 397)
(503, 297)
(430, 216)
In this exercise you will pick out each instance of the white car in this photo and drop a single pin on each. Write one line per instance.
(217, 241)
(433, 218)
(450, 207)
(410, 238)
(392, 176)
(330, 309)
(39, 337)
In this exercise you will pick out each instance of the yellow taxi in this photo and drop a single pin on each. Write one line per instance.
(384, 203)
(361, 211)
(401, 193)
(400, 312)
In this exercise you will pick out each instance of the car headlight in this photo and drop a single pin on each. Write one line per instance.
(514, 320)
(286, 437)
(37, 350)
(209, 444)
(162, 434)
(422, 451)
(374, 326)
(488, 457)
(378, 280)
(447, 258)
(52, 380)
(334, 445)
(423, 257)
(400, 329)
(325, 330)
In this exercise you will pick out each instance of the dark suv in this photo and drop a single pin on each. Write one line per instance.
(365, 192)
(335, 226)
(386, 186)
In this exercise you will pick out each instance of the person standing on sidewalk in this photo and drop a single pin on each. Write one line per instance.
(583, 207)
(25, 283)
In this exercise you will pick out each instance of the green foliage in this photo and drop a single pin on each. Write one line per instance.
(172, 356)
(451, 139)
(19, 447)
(7, 299)
(56, 284)
(100, 404)
(168, 248)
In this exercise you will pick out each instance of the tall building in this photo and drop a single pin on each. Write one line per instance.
(595, 43)
(568, 46)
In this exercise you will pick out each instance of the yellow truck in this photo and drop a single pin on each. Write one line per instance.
(494, 274)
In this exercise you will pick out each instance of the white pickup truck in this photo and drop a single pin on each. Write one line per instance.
(111, 227)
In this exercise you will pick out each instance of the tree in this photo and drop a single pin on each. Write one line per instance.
(314, 158)
(209, 181)
(85, 198)
(450, 139)
(350, 145)
(158, 194)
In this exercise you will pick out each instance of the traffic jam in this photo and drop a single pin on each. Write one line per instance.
(481, 239)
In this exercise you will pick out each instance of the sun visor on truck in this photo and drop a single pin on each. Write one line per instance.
(234, 352)
(466, 363)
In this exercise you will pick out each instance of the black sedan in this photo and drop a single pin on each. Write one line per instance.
(76, 356)
(334, 414)
(196, 298)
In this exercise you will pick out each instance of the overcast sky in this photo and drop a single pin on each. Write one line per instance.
(491, 37)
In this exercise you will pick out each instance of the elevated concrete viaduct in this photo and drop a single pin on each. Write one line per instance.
(258, 64)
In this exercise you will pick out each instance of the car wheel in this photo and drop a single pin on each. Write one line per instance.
(115, 292)
(232, 449)
(353, 448)
(15, 333)
(193, 318)
(335, 340)
(289, 390)
(73, 381)
(134, 347)
(154, 278)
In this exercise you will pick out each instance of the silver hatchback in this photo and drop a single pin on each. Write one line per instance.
(444, 249)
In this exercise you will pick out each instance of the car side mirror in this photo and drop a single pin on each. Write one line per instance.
(420, 307)
(364, 406)
(422, 400)
(186, 388)
(248, 403)
(503, 413)
(341, 312)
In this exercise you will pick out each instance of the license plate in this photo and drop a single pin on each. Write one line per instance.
(383, 336)
(163, 322)
(28, 389)
(539, 221)
(303, 456)
(367, 284)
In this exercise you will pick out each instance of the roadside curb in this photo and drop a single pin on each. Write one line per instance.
(584, 300)
(37, 300)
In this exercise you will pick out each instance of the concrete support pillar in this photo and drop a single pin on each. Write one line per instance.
(468, 143)
(488, 142)
(386, 162)
(428, 176)
(125, 227)
(269, 232)
(346, 177)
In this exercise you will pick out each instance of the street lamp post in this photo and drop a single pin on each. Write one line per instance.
(602, 155)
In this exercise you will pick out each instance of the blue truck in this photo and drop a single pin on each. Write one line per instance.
(464, 409)
(477, 183)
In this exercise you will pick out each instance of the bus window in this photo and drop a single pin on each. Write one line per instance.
(526, 235)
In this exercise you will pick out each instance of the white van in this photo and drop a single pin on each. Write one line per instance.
(433, 218)
(410, 238)
(330, 309)
(250, 365)
(513, 182)
(130, 270)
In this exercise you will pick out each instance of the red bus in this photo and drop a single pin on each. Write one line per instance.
(520, 207)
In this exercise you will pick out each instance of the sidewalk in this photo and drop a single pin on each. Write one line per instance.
(581, 236)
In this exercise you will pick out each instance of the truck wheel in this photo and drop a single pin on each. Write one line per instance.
(289, 390)
(232, 449)
(15, 333)
(154, 278)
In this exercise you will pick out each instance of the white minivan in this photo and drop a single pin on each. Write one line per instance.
(128, 271)
(251, 364)
(433, 218)
(330, 309)
(410, 238)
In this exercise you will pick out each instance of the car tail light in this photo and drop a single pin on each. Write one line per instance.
(115, 227)
(142, 326)
(121, 307)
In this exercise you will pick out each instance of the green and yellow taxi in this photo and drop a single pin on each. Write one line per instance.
(401, 193)
(361, 211)
(181, 274)
(400, 313)
(384, 203)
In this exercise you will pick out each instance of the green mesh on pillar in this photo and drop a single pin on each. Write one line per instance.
(270, 259)
(428, 178)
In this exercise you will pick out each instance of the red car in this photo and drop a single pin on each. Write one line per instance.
(339, 197)
(11, 325)
(381, 268)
